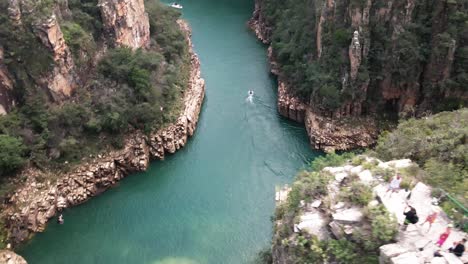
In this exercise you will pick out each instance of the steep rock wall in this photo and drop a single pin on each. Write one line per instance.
(402, 57)
(34, 203)
(61, 81)
(126, 22)
(6, 87)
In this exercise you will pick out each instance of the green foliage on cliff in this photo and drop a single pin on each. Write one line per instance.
(311, 44)
(438, 143)
(11, 153)
(119, 91)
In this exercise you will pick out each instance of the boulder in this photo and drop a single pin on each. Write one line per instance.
(10, 257)
(389, 251)
(398, 164)
(406, 258)
(348, 216)
(314, 223)
(366, 177)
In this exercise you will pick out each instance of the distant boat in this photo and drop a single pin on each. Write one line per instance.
(176, 5)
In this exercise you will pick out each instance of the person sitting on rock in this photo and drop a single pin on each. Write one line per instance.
(444, 236)
(430, 219)
(411, 217)
(395, 184)
(459, 248)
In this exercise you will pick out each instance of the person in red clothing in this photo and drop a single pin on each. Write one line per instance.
(444, 236)
(430, 219)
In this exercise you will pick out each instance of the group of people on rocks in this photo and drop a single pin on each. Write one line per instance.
(411, 217)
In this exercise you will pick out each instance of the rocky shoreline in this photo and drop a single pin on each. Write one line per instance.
(326, 131)
(35, 202)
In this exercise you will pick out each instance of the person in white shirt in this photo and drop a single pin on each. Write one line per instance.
(394, 185)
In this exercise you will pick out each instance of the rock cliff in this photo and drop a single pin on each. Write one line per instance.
(61, 80)
(126, 22)
(6, 87)
(9, 257)
(34, 203)
(360, 60)
(337, 214)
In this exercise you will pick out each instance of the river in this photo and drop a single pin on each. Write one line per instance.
(212, 201)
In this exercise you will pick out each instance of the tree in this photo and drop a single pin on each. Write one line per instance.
(11, 154)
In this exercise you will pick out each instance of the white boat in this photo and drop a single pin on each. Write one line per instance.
(176, 5)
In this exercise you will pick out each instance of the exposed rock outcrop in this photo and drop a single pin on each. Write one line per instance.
(327, 133)
(33, 204)
(61, 81)
(10, 257)
(126, 21)
(338, 218)
(6, 87)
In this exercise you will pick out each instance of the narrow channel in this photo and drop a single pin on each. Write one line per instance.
(211, 202)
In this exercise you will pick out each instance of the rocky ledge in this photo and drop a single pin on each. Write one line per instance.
(10, 257)
(327, 131)
(333, 217)
(35, 202)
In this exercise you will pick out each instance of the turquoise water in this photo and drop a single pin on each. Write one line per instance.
(212, 201)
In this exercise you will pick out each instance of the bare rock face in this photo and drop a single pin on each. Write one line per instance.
(355, 55)
(127, 22)
(10, 257)
(290, 106)
(62, 80)
(6, 87)
(32, 205)
(258, 24)
(331, 134)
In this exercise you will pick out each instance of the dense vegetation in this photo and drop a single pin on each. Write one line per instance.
(439, 145)
(323, 75)
(127, 89)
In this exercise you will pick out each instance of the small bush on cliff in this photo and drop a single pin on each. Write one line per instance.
(330, 160)
(357, 193)
(384, 227)
(343, 251)
(11, 154)
(307, 186)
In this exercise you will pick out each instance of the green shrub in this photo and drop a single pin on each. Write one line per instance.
(330, 159)
(343, 251)
(386, 174)
(358, 160)
(11, 154)
(384, 225)
(358, 193)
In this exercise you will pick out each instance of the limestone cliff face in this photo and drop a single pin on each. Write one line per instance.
(33, 204)
(126, 22)
(61, 81)
(6, 87)
(10, 257)
(389, 65)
